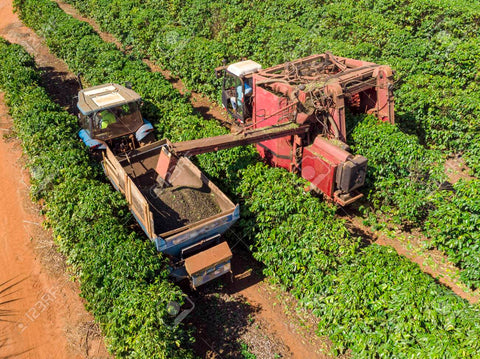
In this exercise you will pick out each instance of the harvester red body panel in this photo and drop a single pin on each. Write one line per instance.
(277, 152)
(319, 164)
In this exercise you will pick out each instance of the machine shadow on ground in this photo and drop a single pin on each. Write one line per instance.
(224, 319)
(61, 86)
(221, 320)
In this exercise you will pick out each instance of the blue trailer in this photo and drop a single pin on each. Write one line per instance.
(184, 214)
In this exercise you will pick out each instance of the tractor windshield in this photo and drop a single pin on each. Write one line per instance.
(117, 121)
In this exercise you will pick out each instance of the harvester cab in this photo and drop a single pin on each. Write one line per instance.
(237, 88)
(110, 116)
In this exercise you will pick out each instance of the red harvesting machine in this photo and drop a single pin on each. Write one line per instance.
(295, 114)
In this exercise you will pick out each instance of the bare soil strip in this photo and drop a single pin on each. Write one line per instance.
(61, 83)
(456, 169)
(47, 319)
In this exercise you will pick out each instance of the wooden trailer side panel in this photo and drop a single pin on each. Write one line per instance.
(136, 200)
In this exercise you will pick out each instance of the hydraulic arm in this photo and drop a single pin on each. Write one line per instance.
(241, 138)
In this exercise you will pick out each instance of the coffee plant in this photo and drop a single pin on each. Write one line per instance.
(454, 227)
(402, 175)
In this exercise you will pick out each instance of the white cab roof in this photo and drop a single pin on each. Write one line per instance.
(243, 68)
(105, 96)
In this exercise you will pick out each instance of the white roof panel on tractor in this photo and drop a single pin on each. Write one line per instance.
(100, 90)
(243, 68)
(100, 97)
(108, 99)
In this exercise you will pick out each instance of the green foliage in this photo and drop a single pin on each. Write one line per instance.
(123, 278)
(370, 301)
(296, 236)
(246, 352)
(454, 227)
(402, 174)
(381, 305)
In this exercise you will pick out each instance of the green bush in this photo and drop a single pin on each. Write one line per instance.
(381, 305)
(294, 233)
(402, 175)
(454, 227)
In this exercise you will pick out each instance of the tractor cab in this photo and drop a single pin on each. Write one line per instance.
(110, 114)
(237, 88)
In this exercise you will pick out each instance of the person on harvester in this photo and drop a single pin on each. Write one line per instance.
(107, 118)
(237, 102)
